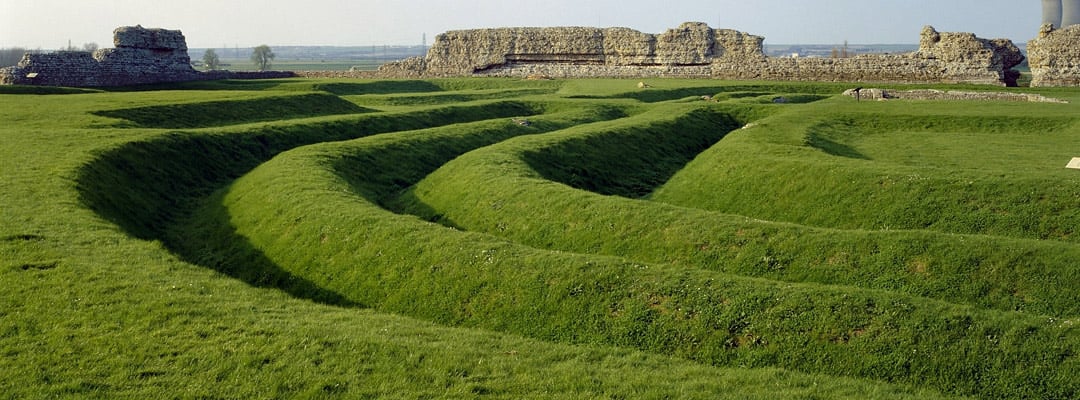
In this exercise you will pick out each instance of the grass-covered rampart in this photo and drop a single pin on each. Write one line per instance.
(999, 172)
(472, 193)
(245, 256)
(398, 263)
(143, 185)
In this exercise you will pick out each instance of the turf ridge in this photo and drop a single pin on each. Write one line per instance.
(810, 171)
(396, 263)
(143, 185)
(207, 238)
(1003, 273)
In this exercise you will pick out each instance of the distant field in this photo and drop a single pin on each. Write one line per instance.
(462, 238)
(306, 65)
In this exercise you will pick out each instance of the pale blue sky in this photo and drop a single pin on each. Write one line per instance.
(49, 24)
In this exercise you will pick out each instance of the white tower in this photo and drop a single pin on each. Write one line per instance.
(1070, 13)
(1061, 13)
(1052, 12)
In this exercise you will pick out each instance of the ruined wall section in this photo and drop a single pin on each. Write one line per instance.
(697, 51)
(577, 51)
(692, 43)
(943, 57)
(141, 56)
(1054, 57)
(969, 59)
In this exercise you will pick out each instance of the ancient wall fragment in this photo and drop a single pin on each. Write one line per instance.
(141, 56)
(695, 50)
(1054, 56)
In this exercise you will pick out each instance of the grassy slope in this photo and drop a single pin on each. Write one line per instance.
(146, 318)
(89, 311)
(996, 169)
(995, 272)
(399, 263)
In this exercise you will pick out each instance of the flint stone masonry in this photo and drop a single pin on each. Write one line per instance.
(141, 56)
(1054, 56)
(696, 50)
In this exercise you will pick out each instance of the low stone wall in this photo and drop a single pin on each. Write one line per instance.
(337, 74)
(1054, 56)
(933, 94)
(696, 50)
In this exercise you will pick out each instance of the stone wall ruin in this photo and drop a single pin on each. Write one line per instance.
(695, 50)
(141, 56)
(1054, 56)
(692, 50)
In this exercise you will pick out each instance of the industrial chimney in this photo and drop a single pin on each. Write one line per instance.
(1052, 12)
(1061, 13)
(1070, 13)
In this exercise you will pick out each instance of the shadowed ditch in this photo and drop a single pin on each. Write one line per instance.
(226, 112)
(151, 188)
(631, 161)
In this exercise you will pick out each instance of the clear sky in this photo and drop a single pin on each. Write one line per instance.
(50, 24)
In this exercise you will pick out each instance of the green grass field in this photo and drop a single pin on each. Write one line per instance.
(463, 238)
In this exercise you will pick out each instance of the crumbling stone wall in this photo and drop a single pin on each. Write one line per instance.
(141, 56)
(696, 50)
(1054, 56)
(497, 51)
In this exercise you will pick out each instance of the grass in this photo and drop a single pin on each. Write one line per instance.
(540, 239)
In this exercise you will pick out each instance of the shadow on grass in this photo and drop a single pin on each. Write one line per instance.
(152, 190)
(25, 89)
(379, 87)
(207, 239)
(227, 112)
(222, 84)
(833, 147)
(163, 188)
(632, 161)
